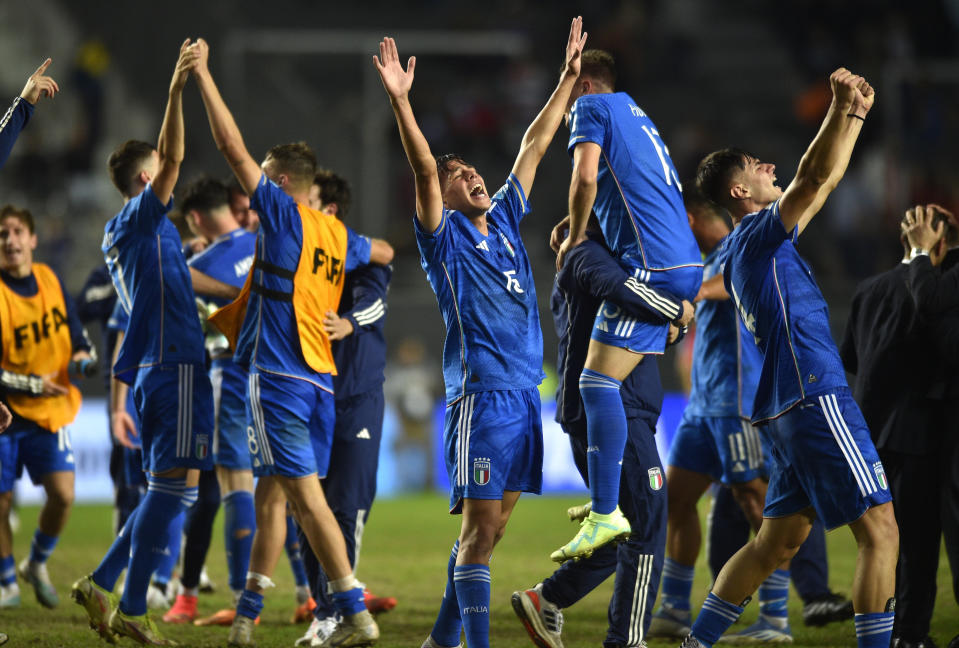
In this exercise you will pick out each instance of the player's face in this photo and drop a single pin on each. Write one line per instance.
(17, 244)
(246, 217)
(760, 178)
(465, 190)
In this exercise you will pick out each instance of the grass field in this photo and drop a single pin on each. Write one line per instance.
(405, 550)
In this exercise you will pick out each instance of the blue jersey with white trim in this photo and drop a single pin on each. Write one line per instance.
(783, 308)
(726, 360)
(269, 338)
(143, 251)
(639, 201)
(484, 287)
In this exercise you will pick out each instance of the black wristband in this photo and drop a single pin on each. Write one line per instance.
(856, 116)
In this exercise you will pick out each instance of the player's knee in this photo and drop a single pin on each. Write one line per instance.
(879, 530)
(61, 497)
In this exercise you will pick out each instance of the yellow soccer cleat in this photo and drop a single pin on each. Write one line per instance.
(142, 629)
(99, 605)
(595, 531)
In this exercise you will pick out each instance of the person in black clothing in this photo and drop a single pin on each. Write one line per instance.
(886, 343)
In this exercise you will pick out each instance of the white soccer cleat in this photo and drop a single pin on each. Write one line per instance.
(670, 623)
(36, 574)
(542, 620)
(431, 643)
(760, 632)
(353, 630)
(241, 632)
(156, 598)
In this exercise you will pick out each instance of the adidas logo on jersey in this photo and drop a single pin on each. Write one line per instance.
(482, 246)
(363, 434)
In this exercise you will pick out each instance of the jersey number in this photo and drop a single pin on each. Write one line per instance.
(663, 154)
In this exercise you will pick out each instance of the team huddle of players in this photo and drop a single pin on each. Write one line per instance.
(770, 414)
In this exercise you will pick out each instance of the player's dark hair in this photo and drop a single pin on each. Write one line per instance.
(22, 214)
(443, 163)
(233, 187)
(599, 65)
(695, 201)
(126, 162)
(334, 189)
(204, 194)
(295, 160)
(715, 172)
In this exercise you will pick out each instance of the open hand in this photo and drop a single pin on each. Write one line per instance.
(189, 55)
(337, 327)
(574, 46)
(124, 429)
(39, 85)
(564, 249)
(919, 229)
(559, 233)
(52, 388)
(396, 80)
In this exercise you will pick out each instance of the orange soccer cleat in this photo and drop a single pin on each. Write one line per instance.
(183, 610)
(304, 611)
(378, 604)
(222, 617)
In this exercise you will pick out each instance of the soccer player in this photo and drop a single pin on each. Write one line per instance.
(824, 463)
(162, 358)
(589, 276)
(301, 257)
(43, 345)
(474, 258)
(622, 171)
(18, 114)
(359, 350)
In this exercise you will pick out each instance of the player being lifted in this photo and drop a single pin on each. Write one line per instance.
(277, 329)
(824, 462)
(622, 172)
(474, 258)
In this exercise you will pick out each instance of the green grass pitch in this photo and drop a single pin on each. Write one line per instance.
(404, 554)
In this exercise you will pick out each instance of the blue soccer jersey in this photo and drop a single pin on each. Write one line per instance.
(639, 201)
(228, 259)
(726, 360)
(484, 287)
(783, 308)
(269, 339)
(142, 250)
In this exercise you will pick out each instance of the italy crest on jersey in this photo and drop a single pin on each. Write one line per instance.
(202, 446)
(880, 475)
(655, 478)
(481, 471)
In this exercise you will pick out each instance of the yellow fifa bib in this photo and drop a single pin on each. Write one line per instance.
(36, 340)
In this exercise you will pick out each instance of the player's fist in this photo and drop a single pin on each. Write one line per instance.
(851, 93)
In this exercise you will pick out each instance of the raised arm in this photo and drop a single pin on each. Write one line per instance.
(825, 161)
(397, 83)
(226, 133)
(17, 116)
(540, 133)
(932, 292)
(170, 143)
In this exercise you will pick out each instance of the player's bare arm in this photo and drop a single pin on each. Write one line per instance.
(712, 289)
(122, 426)
(170, 142)
(381, 252)
(204, 284)
(226, 133)
(397, 83)
(582, 195)
(39, 85)
(540, 133)
(826, 159)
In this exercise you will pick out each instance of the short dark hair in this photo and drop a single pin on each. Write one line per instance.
(204, 194)
(600, 65)
(334, 189)
(295, 160)
(126, 162)
(22, 214)
(443, 164)
(715, 172)
(233, 187)
(694, 200)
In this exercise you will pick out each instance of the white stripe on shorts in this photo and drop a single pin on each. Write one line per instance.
(259, 428)
(463, 441)
(847, 444)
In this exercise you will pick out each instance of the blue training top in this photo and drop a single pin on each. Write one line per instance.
(726, 360)
(484, 287)
(142, 250)
(783, 308)
(639, 201)
(361, 356)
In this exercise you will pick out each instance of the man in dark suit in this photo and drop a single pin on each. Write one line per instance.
(886, 346)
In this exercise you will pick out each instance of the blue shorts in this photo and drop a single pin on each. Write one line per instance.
(289, 425)
(175, 411)
(494, 443)
(40, 451)
(822, 456)
(615, 328)
(727, 448)
(230, 446)
(133, 467)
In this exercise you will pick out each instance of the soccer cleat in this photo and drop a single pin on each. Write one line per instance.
(760, 632)
(10, 596)
(594, 532)
(99, 605)
(353, 630)
(141, 629)
(542, 620)
(183, 610)
(206, 585)
(378, 604)
(431, 643)
(319, 631)
(3, 638)
(579, 513)
(690, 642)
(156, 598)
(670, 623)
(241, 632)
(222, 617)
(829, 608)
(303, 611)
(36, 574)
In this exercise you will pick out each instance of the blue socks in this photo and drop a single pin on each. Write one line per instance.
(293, 553)
(472, 583)
(774, 597)
(874, 630)
(677, 584)
(250, 604)
(165, 499)
(118, 555)
(714, 619)
(164, 570)
(606, 435)
(8, 573)
(42, 546)
(349, 602)
(448, 627)
(238, 527)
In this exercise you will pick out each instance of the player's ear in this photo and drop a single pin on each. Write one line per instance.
(739, 191)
